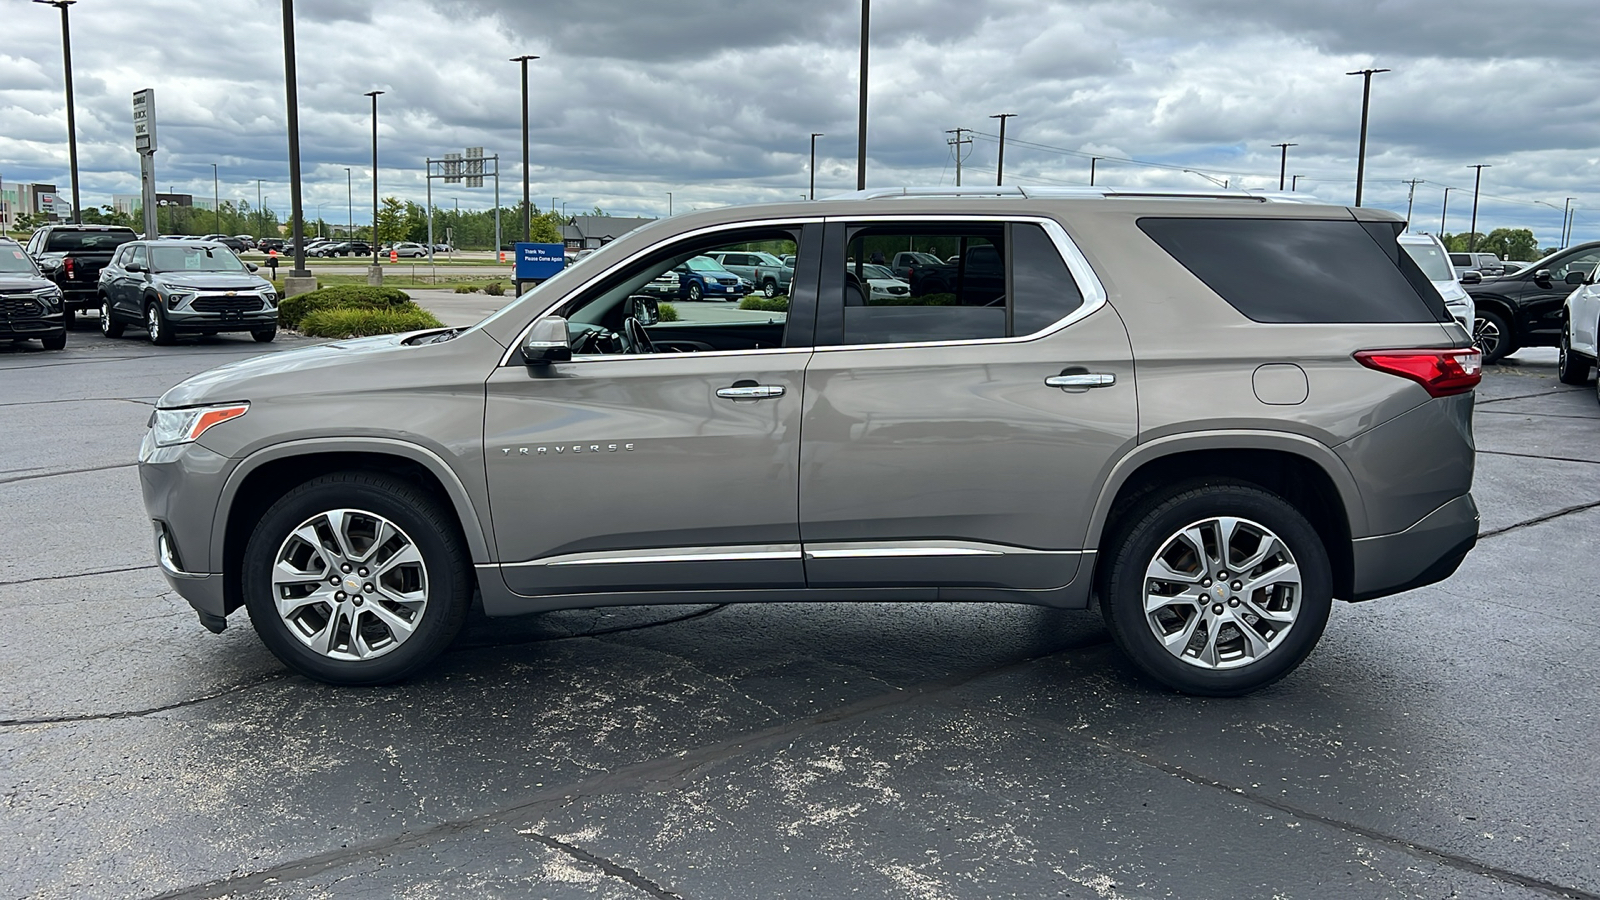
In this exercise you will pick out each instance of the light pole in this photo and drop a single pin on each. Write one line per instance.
(861, 115)
(1283, 162)
(527, 211)
(669, 204)
(1294, 182)
(1477, 181)
(374, 96)
(1566, 223)
(319, 217)
(216, 198)
(812, 194)
(1000, 163)
(350, 204)
(261, 216)
(296, 210)
(1444, 210)
(72, 114)
(1366, 102)
(1092, 161)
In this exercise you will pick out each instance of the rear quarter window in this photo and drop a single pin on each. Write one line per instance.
(1292, 271)
(103, 241)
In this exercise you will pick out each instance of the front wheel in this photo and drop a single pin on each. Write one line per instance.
(109, 326)
(69, 317)
(1492, 335)
(155, 322)
(264, 335)
(695, 291)
(55, 341)
(1216, 588)
(1571, 367)
(356, 578)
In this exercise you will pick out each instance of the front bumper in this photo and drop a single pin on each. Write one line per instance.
(1427, 552)
(47, 325)
(191, 320)
(181, 486)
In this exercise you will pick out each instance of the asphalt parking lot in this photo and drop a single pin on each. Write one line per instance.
(1442, 743)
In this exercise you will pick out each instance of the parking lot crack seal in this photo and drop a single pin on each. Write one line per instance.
(1592, 462)
(76, 575)
(150, 711)
(1411, 848)
(60, 472)
(1567, 511)
(1528, 396)
(631, 876)
(655, 775)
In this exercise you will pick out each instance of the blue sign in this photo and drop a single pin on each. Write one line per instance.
(536, 262)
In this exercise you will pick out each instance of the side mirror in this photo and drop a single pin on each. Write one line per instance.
(643, 308)
(1471, 278)
(1543, 275)
(1576, 278)
(251, 266)
(547, 342)
(134, 267)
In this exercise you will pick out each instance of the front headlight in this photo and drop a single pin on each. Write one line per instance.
(270, 296)
(182, 426)
(49, 297)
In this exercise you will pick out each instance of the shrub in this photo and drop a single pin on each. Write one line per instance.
(667, 311)
(466, 288)
(910, 300)
(775, 304)
(343, 296)
(494, 289)
(356, 322)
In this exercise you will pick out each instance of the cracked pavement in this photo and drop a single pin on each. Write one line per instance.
(1437, 744)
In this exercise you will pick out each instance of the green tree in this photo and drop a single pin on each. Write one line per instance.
(108, 215)
(391, 221)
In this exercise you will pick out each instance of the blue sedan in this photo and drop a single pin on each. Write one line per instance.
(703, 278)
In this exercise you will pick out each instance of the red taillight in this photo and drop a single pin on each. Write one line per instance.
(1442, 372)
(71, 268)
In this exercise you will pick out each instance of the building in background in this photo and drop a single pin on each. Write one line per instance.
(131, 204)
(592, 232)
(26, 199)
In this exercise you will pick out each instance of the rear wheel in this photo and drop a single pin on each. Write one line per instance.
(1492, 334)
(1572, 367)
(109, 326)
(69, 317)
(1216, 588)
(356, 578)
(769, 289)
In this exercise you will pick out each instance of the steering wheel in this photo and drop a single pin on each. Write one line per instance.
(637, 339)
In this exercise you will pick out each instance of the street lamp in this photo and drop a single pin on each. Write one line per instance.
(861, 116)
(813, 170)
(72, 115)
(527, 211)
(216, 199)
(319, 217)
(261, 216)
(1294, 182)
(669, 204)
(1283, 162)
(1366, 102)
(1566, 222)
(1000, 163)
(296, 209)
(1092, 161)
(350, 205)
(1445, 210)
(1477, 181)
(374, 96)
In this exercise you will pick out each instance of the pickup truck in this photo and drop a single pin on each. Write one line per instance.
(72, 257)
(980, 273)
(906, 260)
(765, 272)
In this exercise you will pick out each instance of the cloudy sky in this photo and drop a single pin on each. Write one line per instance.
(714, 100)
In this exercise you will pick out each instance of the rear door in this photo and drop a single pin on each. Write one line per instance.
(936, 450)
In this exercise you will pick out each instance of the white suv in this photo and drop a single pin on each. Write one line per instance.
(1580, 339)
(1434, 261)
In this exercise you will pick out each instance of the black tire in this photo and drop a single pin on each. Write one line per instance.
(69, 317)
(429, 525)
(160, 330)
(55, 342)
(1148, 526)
(695, 291)
(1571, 367)
(769, 289)
(109, 326)
(264, 335)
(1492, 335)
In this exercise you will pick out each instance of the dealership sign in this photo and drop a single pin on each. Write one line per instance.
(144, 120)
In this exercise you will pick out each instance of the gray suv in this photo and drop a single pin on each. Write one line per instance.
(1211, 416)
(184, 287)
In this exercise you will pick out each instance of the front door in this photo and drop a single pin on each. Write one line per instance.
(1542, 308)
(667, 465)
(935, 452)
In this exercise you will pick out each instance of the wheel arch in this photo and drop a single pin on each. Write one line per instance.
(1307, 474)
(265, 476)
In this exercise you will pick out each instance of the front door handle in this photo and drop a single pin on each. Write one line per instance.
(750, 391)
(1081, 380)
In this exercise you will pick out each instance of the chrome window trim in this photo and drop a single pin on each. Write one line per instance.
(884, 549)
(505, 360)
(1094, 293)
(667, 554)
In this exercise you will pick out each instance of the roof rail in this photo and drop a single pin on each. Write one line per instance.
(1065, 193)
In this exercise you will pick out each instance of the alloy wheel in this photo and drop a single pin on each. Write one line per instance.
(105, 317)
(1222, 593)
(152, 319)
(1486, 335)
(350, 584)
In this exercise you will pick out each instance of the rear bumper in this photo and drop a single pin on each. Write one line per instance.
(1427, 552)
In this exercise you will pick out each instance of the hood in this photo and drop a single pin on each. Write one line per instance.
(23, 281)
(238, 380)
(218, 281)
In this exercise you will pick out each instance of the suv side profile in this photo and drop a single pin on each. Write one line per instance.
(1527, 308)
(1148, 408)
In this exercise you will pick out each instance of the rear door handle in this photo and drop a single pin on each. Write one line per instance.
(1081, 380)
(743, 391)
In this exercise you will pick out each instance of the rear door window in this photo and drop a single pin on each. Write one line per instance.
(1291, 271)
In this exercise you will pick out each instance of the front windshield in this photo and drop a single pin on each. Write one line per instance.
(706, 264)
(876, 271)
(194, 259)
(13, 261)
(1431, 260)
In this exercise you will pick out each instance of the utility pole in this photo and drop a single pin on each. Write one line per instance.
(1411, 196)
(1366, 103)
(813, 192)
(1477, 181)
(1092, 161)
(1000, 164)
(527, 209)
(216, 198)
(1566, 224)
(72, 114)
(956, 142)
(374, 96)
(1444, 210)
(1283, 162)
(861, 115)
(296, 211)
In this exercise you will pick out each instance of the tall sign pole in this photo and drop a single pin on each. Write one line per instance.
(144, 140)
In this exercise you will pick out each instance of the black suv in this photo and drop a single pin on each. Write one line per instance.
(30, 304)
(72, 256)
(1527, 308)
